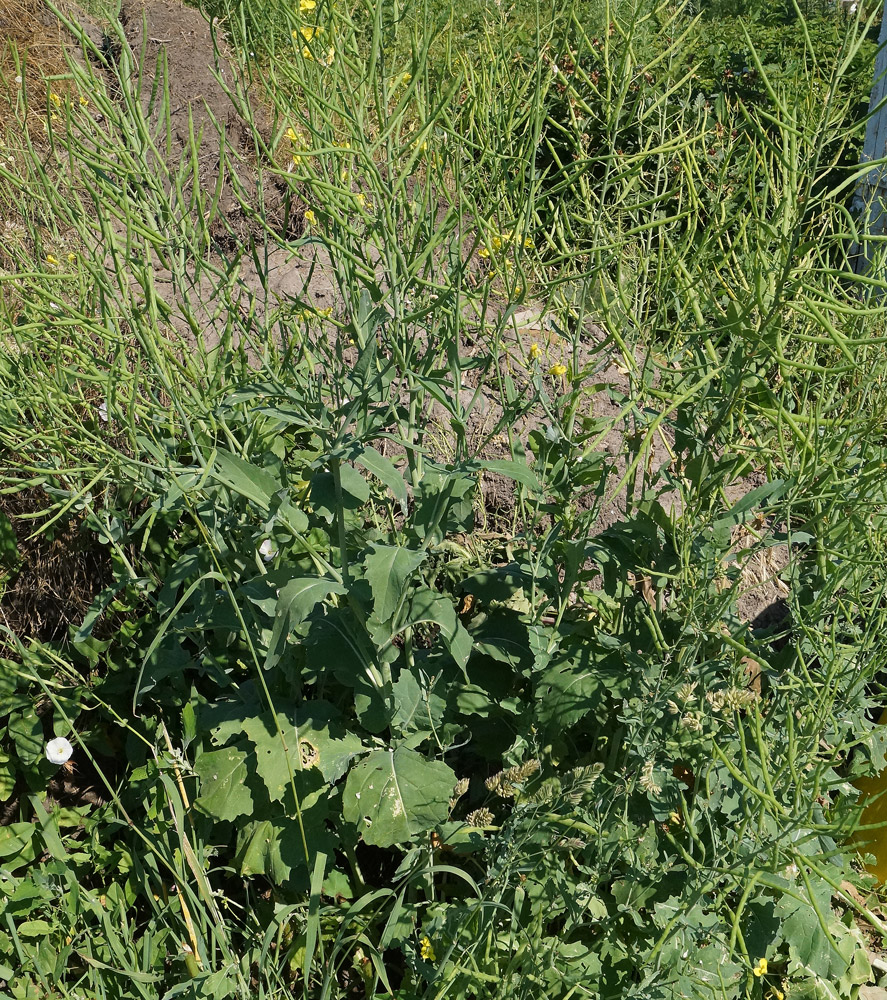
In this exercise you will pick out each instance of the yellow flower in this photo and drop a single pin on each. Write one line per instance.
(761, 968)
(291, 134)
(361, 199)
(330, 56)
(52, 261)
(483, 252)
(535, 351)
(71, 257)
(305, 315)
(307, 5)
(310, 217)
(557, 370)
(84, 103)
(297, 160)
(56, 100)
(427, 950)
(306, 52)
(777, 994)
(309, 32)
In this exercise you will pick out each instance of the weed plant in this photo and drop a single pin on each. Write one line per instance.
(341, 727)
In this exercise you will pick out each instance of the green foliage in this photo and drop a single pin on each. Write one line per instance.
(356, 725)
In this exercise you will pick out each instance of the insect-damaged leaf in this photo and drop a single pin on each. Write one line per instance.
(396, 795)
(223, 791)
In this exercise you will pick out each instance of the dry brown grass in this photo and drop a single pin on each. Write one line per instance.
(32, 52)
(32, 58)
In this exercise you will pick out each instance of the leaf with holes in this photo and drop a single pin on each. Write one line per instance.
(309, 737)
(223, 791)
(396, 795)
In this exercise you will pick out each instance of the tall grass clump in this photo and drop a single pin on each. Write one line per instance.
(422, 662)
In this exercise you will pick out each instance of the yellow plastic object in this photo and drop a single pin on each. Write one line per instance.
(874, 841)
(874, 813)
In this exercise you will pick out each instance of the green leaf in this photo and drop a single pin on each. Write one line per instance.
(417, 708)
(444, 502)
(353, 483)
(7, 777)
(17, 845)
(504, 637)
(275, 847)
(293, 517)
(770, 491)
(34, 928)
(385, 470)
(223, 791)
(431, 607)
(579, 681)
(97, 609)
(498, 583)
(396, 795)
(389, 569)
(259, 851)
(338, 643)
(26, 731)
(296, 600)
(305, 742)
(817, 942)
(355, 491)
(520, 472)
(245, 478)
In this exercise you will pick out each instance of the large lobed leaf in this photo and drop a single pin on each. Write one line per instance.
(396, 795)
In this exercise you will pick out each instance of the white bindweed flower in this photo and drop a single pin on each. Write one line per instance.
(267, 550)
(59, 750)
